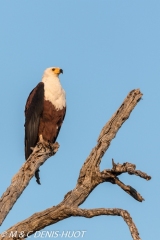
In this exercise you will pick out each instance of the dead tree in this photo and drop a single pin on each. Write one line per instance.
(90, 177)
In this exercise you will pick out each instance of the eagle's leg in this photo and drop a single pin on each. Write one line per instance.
(41, 138)
(44, 142)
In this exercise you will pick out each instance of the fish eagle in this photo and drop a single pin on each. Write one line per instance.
(44, 111)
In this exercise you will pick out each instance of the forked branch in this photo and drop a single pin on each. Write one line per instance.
(90, 177)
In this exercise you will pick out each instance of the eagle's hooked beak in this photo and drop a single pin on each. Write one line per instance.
(61, 71)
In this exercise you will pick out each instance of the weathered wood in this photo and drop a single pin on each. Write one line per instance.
(91, 176)
(58, 213)
(21, 179)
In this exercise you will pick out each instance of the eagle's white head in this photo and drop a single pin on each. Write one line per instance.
(53, 90)
(52, 72)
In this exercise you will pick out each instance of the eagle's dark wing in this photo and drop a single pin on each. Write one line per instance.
(33, 111)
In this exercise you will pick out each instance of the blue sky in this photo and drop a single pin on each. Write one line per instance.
(106, 48)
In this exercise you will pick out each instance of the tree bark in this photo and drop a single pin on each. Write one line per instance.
(21, 179)
(90, 176)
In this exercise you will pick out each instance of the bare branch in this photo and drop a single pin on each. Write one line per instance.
(110, 175)
(109, 132)
(21, 179)
(89, 213)
(130, 190)
(129, 168)
(55, 214)
(90, 177)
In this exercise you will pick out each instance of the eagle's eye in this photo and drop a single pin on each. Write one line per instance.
(53, 69)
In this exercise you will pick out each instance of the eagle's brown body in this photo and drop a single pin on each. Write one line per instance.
(51, 121)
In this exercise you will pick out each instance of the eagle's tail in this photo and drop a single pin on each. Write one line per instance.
(37, 177)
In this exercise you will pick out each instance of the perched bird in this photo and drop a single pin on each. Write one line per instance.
(44, 111)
